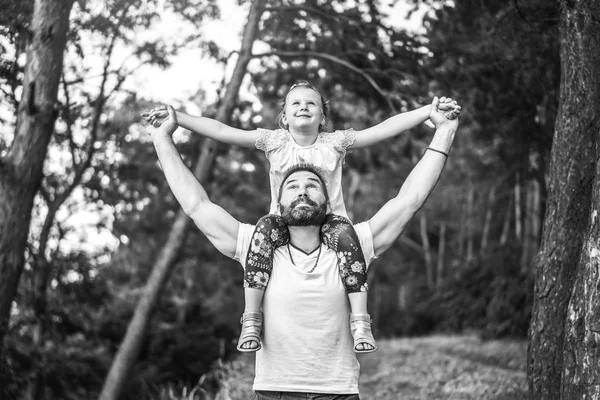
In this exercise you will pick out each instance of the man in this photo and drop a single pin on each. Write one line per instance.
(307, 344)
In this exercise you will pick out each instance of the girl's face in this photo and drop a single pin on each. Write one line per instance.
(303, 110)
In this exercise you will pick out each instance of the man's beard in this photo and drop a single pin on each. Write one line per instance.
(304, 216)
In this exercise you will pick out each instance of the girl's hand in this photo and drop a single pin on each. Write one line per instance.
(156, 116)
(449, 107)
(166, 125)
(438, 117)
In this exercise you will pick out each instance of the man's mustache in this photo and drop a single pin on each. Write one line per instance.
(304, 200)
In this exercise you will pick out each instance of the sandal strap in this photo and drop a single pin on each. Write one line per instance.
(251, 316)
(360, 327)
(360, 318)
(251, 330)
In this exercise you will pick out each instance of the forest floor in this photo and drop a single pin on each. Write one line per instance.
(434, 367)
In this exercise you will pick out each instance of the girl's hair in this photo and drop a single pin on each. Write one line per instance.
(308, 85)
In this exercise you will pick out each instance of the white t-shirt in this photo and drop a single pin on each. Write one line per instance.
(327, 153)
(307, 345)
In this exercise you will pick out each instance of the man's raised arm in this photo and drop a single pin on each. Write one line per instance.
(389, 222)
(216, 223)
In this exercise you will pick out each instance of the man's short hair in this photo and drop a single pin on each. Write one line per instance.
(304, 167)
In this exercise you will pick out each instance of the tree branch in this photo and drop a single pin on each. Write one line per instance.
(336, 60)
(311, 10)
(68, 120)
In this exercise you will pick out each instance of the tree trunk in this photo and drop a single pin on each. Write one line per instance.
(21, 170)
(506, 223)
(580, 32)
(487, 221)
(518, 209)
(136, 331)
(441, 257)
(426, 251)
(530, 226)
(470, 223)
(564, 344)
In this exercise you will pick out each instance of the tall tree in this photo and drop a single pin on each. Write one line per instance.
(77, 120)
(563, 350)
(21, 169)
(132, 343)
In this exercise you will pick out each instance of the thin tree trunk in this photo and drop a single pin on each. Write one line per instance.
(21, 170)
(536, 213)
(461, 230)
(527, 231)
(441, 256)
(487, 221)
(530, 234)
(426, 251)
(518, 210)
(506, 223)
(470, 223)
(563, 352)
(136, 331)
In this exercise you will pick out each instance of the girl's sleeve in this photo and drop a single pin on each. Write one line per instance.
(342, 139)
(270, 140)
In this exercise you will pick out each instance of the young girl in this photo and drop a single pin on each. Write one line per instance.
(302, 139)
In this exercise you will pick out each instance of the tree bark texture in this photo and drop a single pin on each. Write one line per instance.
(128, 352)
(563, 353)
(580, 32)
(21, 169)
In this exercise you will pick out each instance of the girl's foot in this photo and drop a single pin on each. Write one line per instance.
(360, 327)
(249, 340)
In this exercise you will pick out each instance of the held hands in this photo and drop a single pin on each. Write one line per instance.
(449, 107)
(165, 124)
(156, 116)
(440, 113)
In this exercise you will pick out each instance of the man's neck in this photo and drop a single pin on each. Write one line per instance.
(306, 238)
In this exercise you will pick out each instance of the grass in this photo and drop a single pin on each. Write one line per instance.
(445, 367)
(432, 368)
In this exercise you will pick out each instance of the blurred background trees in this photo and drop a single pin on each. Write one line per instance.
(103, 213)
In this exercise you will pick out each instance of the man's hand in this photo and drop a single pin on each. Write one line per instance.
(167, 124)
(156, 116)
(450, 107)
(438, 117)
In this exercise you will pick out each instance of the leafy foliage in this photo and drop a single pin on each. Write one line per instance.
(490, 296)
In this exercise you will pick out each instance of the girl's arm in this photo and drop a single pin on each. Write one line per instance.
(402, 122)
(208, 127)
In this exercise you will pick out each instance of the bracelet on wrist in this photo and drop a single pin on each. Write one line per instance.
(438, 151)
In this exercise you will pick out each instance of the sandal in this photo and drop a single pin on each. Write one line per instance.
(251, 330)
(360, 326)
